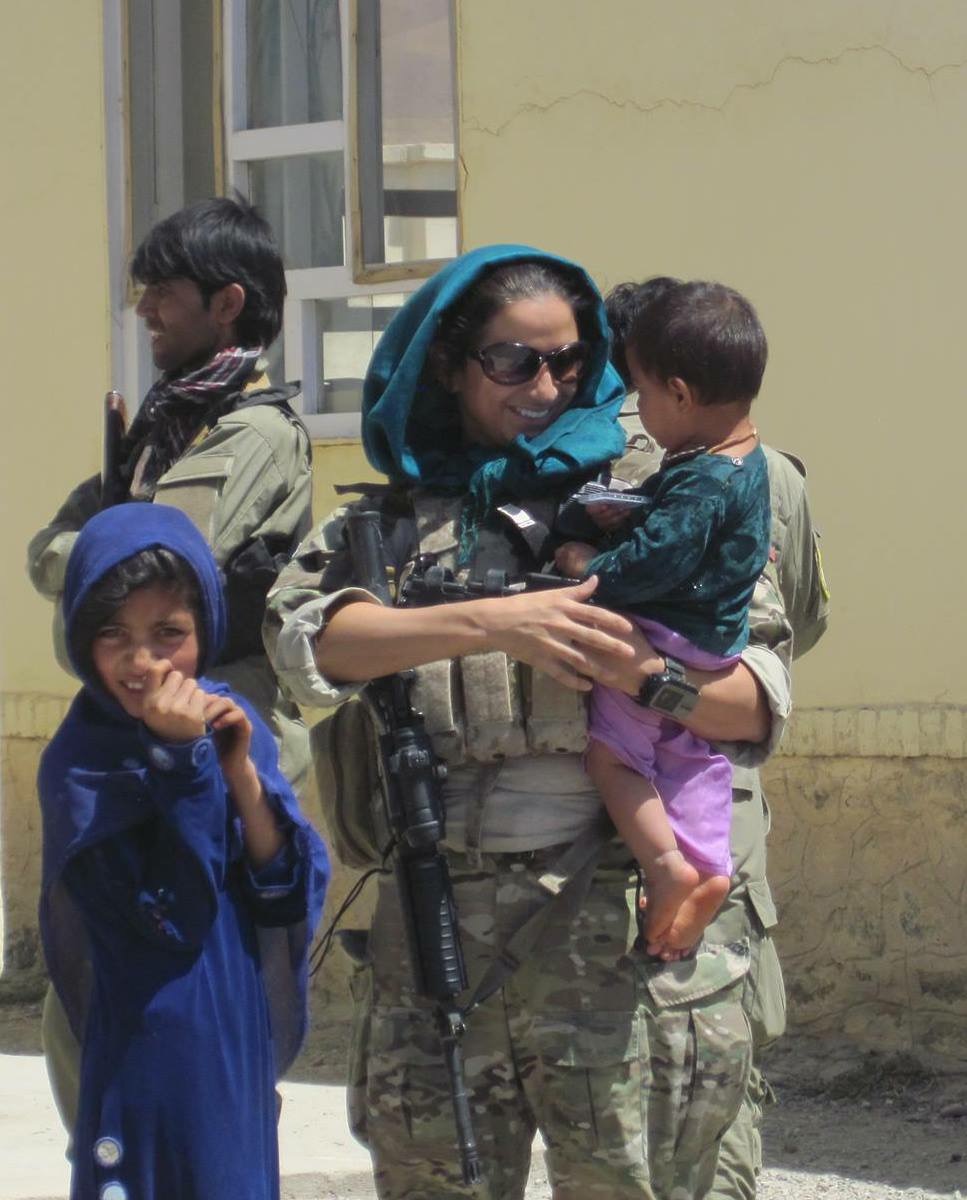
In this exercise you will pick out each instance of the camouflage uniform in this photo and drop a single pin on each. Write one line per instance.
(630, 1071)
(248, 477)
(749, 912)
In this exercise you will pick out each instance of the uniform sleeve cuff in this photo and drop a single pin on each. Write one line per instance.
(294, 659)
(773, 677)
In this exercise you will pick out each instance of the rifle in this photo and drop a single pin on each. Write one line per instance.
(113, 488)
(429, 583)
(412, 774)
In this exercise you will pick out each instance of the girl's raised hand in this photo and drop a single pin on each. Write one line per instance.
(174, 705)
(233, 737)
(233, 734)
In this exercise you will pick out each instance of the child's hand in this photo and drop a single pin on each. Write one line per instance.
(573, 557)
(609, 516)
(174, 705)
(233, 736)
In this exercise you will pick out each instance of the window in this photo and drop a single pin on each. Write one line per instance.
(206, 96)
(360, 221)
(163, 144)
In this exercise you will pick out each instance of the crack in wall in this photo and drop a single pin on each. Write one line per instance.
(670, 102)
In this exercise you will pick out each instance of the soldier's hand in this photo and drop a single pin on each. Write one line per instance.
(557, 632)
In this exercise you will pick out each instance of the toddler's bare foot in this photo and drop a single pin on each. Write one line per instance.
(670, 881)
(689, 922)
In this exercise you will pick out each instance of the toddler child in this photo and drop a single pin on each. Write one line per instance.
(685, 571)
(181, 885)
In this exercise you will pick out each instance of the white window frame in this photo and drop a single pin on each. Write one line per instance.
(308, 285)
(132, 368)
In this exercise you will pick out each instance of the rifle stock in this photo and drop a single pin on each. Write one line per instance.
(412, 775)
(113, 489)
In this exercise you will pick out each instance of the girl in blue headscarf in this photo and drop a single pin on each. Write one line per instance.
(488, 402)
(181, 885)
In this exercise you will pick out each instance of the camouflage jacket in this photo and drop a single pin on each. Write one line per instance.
(482, 706)
(247, 484)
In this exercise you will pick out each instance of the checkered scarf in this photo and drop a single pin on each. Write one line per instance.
(174, 412)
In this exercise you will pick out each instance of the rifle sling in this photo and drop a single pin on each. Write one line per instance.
(475, 813)
(563, 884)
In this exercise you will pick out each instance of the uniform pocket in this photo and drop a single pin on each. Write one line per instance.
(408, 1105)
(699, 1050)
(194, 484)
(589, 1093)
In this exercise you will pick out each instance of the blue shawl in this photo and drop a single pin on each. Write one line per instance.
(92, 776)
(399, 392)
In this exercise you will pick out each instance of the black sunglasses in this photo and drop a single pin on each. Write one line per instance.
(512, 362)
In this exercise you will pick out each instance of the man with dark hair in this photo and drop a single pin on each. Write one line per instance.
(212, 438)
(217, 244)
(643, 316)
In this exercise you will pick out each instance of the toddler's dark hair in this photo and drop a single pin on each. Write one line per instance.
(156, 566)
(704, 333)
(623, 304)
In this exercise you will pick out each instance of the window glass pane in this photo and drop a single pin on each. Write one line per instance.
(171, 131)
(347, 332)
(303, 200)
(294, 62)
(417, 84)
(406, 131)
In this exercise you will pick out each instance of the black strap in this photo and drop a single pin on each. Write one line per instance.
(562, 885)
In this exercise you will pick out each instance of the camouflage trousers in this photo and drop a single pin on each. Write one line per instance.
(631, 1071)
(764, 1000)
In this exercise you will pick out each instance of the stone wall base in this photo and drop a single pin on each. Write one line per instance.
(868, 862)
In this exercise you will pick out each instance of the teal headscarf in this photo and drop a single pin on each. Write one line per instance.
(403, 407)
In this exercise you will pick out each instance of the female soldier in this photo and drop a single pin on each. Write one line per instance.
(488, 402)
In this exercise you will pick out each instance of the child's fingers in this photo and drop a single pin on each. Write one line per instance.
(168, 689)
(611, 516)
(155, 676)
(232, 718)
(216, 707)
(180, 695)
(193, 698)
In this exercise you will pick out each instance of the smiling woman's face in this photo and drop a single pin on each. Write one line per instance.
(493, 414)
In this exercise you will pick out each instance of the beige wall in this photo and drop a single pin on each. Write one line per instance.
(812, 155)
(55, 302)
(55, 324)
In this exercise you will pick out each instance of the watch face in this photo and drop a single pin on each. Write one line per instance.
(666, 699)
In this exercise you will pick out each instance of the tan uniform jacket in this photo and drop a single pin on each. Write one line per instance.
(248, 477)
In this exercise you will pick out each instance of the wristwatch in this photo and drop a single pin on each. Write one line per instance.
(669, 692)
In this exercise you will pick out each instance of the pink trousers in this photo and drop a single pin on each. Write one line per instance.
(694, 783)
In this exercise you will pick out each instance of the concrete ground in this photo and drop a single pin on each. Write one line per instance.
(319, 1158)
(896, 1143)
